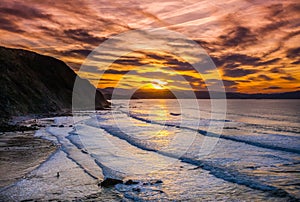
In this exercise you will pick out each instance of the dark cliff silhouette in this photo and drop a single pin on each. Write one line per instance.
(31, 83)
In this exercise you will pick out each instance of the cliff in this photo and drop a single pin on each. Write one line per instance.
(36, 84)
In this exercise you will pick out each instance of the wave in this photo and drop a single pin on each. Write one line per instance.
(271, 118)
(210, 134)
(75, 155)
(225, 173)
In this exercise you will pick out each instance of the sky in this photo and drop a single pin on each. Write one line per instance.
(254, 44)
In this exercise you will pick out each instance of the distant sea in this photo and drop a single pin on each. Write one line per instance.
(185, 150)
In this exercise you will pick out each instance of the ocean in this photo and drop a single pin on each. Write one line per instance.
(176, 150)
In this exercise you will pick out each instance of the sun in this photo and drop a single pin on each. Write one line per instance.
(158, 84)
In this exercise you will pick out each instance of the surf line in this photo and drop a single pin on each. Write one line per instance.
(210, 134)
(217, 171)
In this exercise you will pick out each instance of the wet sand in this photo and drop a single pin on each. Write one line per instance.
(20, 153)
(29, 166)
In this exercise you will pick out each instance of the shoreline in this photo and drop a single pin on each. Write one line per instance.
(41, 181)
(79, 176)
(20, 154)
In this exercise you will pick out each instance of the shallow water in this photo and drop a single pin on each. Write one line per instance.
(259, 151)
(254, 157)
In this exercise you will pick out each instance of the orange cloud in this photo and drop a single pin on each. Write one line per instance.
(255, 45)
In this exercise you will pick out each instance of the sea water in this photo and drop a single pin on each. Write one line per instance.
(188, 150)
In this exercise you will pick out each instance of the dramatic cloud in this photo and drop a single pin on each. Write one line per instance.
(238, 72)
(82, 35)
(293, 53)
(21, 10)
(254, 44)
(112, 71)
(77, 53)
(264, 77)
(240, 36)
(273, 88)
(289, 78)
(9, 25)
(130, 61)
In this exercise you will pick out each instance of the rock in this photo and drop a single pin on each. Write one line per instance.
(84, 151)
(175, 114)
(153, 182)
(136, 189)
(158, 182)
(61, 126)
(131, 182)
(109, 182)
(8, 127)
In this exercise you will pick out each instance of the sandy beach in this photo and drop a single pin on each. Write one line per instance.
(34, 166)
(20, 153)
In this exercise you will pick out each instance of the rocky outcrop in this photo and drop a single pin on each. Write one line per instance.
(110, 182)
